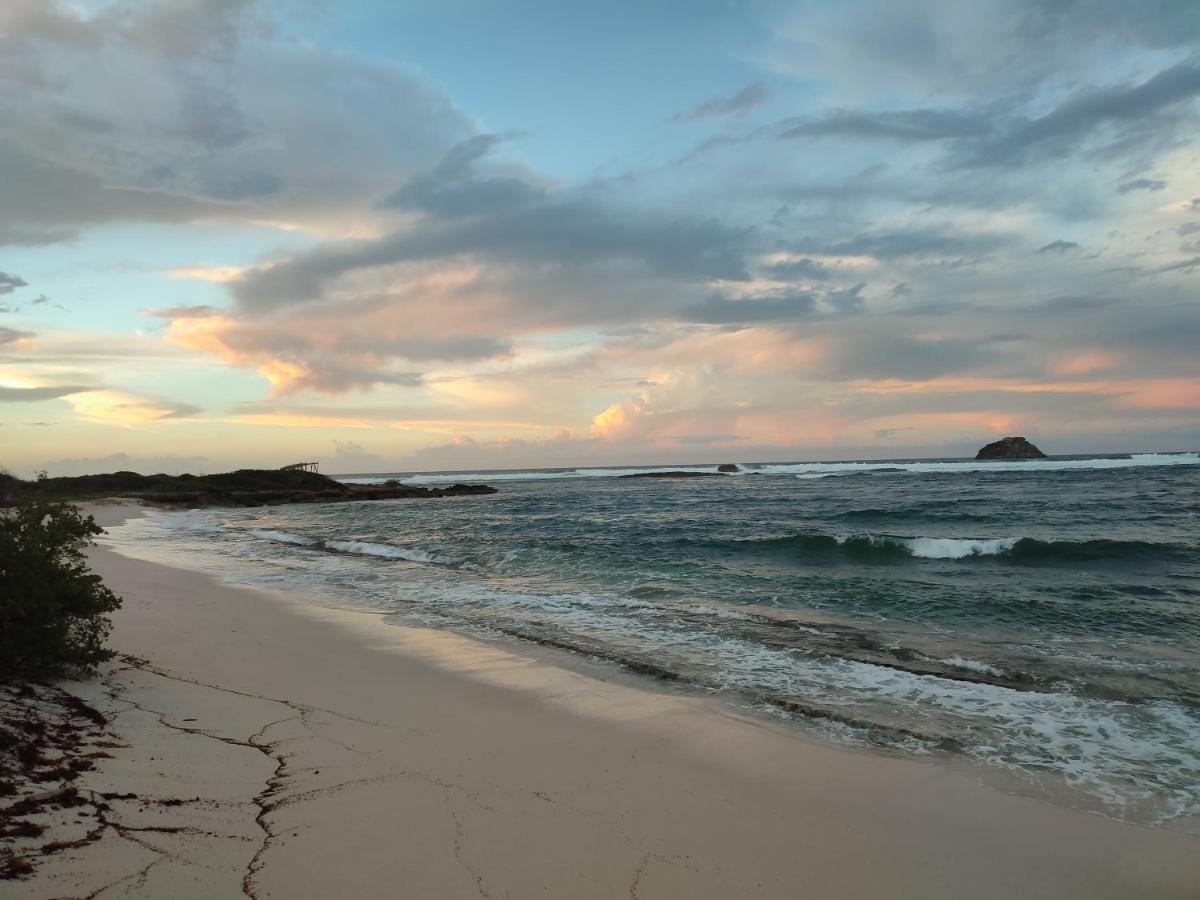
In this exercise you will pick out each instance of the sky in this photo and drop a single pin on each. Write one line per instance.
(445, 234)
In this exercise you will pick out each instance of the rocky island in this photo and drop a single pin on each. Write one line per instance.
(1010, 448)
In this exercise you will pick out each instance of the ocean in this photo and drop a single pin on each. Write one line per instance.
(1039, 619)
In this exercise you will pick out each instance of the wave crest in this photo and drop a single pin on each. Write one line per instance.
(884, 549)
(358, 548)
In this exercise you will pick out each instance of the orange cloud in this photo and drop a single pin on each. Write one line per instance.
(218, 274)
(1085, 362)
(449, 425)
(617, 420)
(1163, 393)
(115, 407)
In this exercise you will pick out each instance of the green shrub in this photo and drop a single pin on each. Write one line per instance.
(53, 609)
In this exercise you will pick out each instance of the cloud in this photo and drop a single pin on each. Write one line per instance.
(869, 355)
(185, 312)
(198, 111)
(47, 202)
(560, 232)
(1061, 130)
(451, 189)
(911, 243)
(1059, 247)
(847, 300)
(558, 446)
(37, 394)
(964, 47)
(333, 350)
(799, 268)
(12, 335)
(351, 457)
(117, 407)
(914, 125)
(769, 308)
(746, 99)
(9, 283)
(1189, 265)
(1141, 184)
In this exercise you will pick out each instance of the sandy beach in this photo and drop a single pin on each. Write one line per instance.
(273, 748)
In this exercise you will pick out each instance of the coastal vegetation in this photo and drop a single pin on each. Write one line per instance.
(53, 609)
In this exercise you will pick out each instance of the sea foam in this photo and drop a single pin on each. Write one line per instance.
(957, 548)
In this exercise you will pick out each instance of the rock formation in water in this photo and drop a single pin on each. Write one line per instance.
(728, 467)
(1010, 448)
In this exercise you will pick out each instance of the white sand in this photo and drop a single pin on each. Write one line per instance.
(336, 756)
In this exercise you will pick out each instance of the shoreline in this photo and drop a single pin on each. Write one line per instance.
(342, 754)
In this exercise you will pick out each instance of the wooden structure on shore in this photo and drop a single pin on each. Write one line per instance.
(301, 467)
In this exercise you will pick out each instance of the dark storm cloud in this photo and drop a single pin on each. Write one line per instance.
(745, 99)
(1141, 184)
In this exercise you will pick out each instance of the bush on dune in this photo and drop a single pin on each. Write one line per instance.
(53, 608)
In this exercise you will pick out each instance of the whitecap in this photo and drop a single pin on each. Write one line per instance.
(283, 537)
(957, 548)
(973, 665)
(389, 551)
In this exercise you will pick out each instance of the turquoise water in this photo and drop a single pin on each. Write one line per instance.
(1042, 617)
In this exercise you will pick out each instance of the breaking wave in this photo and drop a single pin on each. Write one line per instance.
(882, 549)
(358, 548)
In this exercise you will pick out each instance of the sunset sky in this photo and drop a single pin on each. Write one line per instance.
(440, 234)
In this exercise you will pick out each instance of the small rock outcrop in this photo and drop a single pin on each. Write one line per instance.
(728, 467)
(1010, 448)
